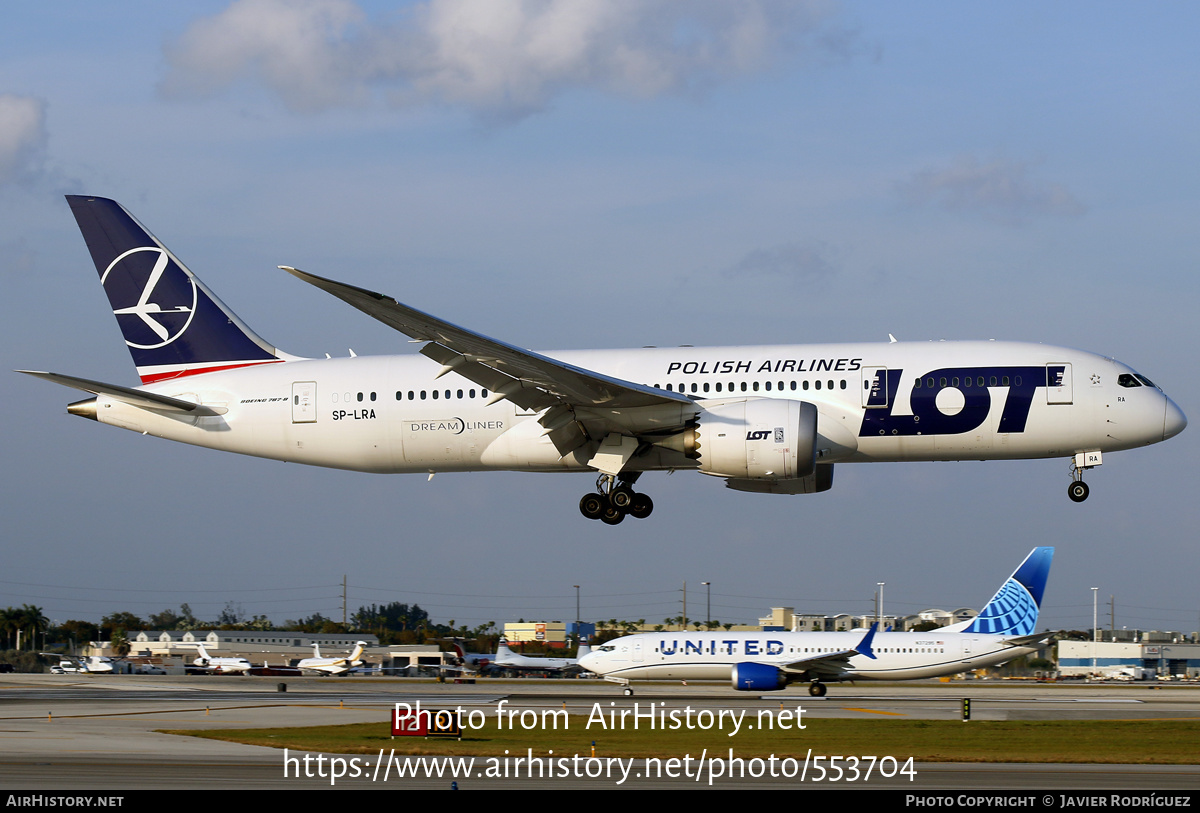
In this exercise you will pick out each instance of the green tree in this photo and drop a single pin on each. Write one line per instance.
(119, 642)
(77, 632)
(8, 625)
(29, 621)
(166, 620)
(123, 621)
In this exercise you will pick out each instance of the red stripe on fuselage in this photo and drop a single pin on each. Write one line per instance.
(151, 379)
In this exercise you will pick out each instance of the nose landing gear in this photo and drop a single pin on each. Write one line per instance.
(614, 499)
(1078, 490)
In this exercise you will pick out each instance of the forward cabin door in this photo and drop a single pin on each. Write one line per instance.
(1058, 384)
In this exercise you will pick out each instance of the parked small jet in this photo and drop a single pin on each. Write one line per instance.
(221, 666)
(766, 661)
(766, 419)
(332, 666)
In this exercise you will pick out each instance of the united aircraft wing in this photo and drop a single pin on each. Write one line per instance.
(581, 406)
(826, 666)
(833, 665)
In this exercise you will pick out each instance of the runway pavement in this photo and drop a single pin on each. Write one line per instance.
(97, 733)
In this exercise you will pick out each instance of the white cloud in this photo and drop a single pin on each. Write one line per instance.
(23, 137)
(301, 49)
(808, 263)
(506, 59)
(1001, 189)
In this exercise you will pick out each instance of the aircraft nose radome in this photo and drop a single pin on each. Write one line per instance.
(1174, 421)
(588, 662)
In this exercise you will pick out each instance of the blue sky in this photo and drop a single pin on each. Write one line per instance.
(577, 174)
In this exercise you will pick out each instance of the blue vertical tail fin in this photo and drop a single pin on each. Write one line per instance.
(1014, 608)
(172, 323)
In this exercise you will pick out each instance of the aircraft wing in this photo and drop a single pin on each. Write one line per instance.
(827, 665)
(833, 665)
(582, 405)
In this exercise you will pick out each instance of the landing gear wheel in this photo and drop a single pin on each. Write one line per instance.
(628, 692)
(816, 689)
(592, 506)
(1078, 491)
(642, 506)
(611, 516)
(621, 497)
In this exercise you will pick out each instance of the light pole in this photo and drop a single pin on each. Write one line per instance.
(879, 607)
(708, 604)
(1095, 632)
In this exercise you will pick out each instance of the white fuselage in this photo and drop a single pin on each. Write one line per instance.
(224, 666)
(711, 655)
(507, 659)
(875, 402)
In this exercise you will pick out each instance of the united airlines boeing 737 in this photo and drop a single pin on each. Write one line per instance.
(766, 661)
(766, 419)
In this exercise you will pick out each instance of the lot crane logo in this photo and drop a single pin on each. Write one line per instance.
(153, 299)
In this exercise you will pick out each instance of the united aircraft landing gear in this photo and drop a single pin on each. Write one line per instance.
(614, 499)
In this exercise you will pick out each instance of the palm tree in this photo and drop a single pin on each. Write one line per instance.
(119, 643)
(8, 625)
(33, 621)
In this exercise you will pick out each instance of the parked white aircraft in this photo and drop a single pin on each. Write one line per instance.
(766, 661)
(767, 419)
(505, 658)
(71, 664)
(220, 665)
(332, 666)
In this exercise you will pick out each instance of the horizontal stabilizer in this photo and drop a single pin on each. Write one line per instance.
(138, 398)
(1037, 639)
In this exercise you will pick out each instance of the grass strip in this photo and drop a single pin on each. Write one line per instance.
(1154, 742)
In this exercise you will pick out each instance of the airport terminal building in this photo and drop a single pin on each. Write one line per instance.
(1129, 660)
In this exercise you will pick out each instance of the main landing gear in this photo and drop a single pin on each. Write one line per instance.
(816, 689)
(614, 498)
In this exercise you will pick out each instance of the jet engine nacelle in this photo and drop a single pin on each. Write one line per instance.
(758, 677)
(757, 439)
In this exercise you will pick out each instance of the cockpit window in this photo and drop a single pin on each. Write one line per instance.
(1145, 380)
(1128, 380)
(606, 649)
